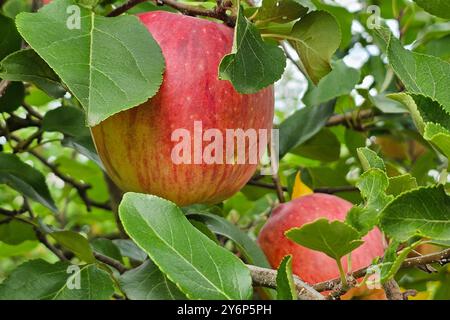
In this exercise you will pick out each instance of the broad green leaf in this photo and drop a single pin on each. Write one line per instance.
(440, 8)
(40, 280)
(129, 249)
(107, 248)
(421, 212)
(362, 218)
(373, 185)
(25, 179)
(303, 125)
(324, 146)
(315, 38)
(343, 17)
(400, 184)
(340, 81)
(369, 159)
(279, 11)
(13, 97)
(11, 8)
(223, 227)
(68, 120)
(252, 64)
(15, 231)
(354, 140)
(84, 145)
(198, 266)
(71, 122)
(285, 281)
(7, 250)
(10, 39)
(421, 74)
(109, 64)
(147, 282)
(392, 261)
(430, 117)
(75, 243)
(26, 65)
(439, 136)
(334, 238)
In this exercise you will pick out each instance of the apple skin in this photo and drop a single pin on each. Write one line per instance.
(313, 266)
(135, 145)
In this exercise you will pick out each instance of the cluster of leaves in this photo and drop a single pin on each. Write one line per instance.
(390, 139)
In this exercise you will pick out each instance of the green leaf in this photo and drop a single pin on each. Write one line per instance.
(315, 38)
(439, 136)
(334, 238)
(15, 231)
(11, 8)
(71, 122)
(129, 249)
(392, 261)
(251, 252)
(421, 74)
(369, 159)
(279, 11)
(400, 184)
(440, 8)
(252, 64)
(285, 281)
(343, 17)
(147, 282)
(26, 65)
(103, 82)
(362, 219)
(68, 120)
(40, 280)
(107, 248)
(324, 146)
(75, 243)
(421, 212)
(13, 97)
(373, 185)
(83, 144)
(25, 179)
(340, 81)
(303, 125)
(10, 39)
(198, 266)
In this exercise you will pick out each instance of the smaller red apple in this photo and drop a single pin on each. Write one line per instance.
(313, 266)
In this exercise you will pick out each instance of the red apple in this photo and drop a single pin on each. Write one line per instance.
(313, 266)
(136, 145)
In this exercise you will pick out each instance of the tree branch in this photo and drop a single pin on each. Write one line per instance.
(263, 277)
(219, 12)
(111, 262)
(442, 257)
(348, 119)
(3, 85)
(392, 290)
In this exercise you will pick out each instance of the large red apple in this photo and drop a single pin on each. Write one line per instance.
(136, 145)
(313, 266)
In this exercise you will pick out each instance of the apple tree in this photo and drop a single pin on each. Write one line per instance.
(352, 97)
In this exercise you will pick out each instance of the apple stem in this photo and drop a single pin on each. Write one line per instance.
(342, 274)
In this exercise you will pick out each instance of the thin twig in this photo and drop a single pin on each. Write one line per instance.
(218, 12)
(111, 262)
(347, 119)
(263, 277)
(328, 190)
(392, 290)
(81, 188)
(438, 257)
(3, 85)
